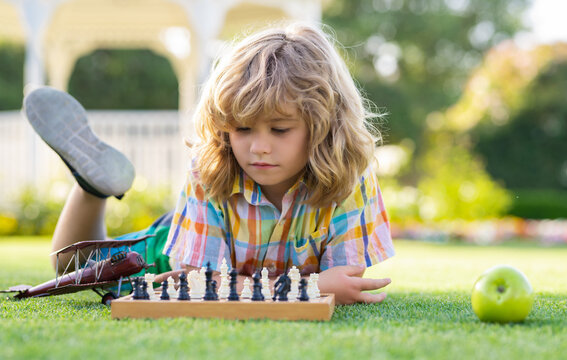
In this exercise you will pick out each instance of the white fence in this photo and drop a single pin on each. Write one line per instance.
(150, 139)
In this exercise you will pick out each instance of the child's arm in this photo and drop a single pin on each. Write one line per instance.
(347, 284)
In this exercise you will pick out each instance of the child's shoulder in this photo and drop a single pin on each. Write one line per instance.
(365, 190)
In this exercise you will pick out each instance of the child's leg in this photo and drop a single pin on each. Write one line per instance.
(100, 170)
(82, 218)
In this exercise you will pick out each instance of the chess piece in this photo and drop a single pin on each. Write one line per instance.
(281, 288)
(209, 294)
(195, 293)
(316, 291)
(246, 291)
(233, 296)
(171, 288)
(214, 289)
(150, 280)
(183, 288)
(137, 293)
(224, 288)
(303, 290)
(266, 284)
(257, 294)
(145, 294)
(164, 294)
(294, 276)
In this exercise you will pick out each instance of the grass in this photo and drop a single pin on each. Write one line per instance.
(427, 315)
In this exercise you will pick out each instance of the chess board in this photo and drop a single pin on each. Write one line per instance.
(320, 309)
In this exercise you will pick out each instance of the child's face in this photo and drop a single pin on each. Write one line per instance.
(273, 151)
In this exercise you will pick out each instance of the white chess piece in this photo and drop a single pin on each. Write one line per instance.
(149, 278)
(294, 288)
(224, 288)
(246, 291)
(194, 292)
(171, 291)
(266, 284)
(316, 291)
(310, 288)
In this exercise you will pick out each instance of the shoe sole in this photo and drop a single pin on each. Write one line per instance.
(61, 121)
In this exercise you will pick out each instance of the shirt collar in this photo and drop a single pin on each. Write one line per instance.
(245, 185)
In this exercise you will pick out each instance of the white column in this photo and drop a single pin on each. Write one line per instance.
(35, 17)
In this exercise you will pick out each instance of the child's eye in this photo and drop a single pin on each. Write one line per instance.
(242, 129)
(280, 130)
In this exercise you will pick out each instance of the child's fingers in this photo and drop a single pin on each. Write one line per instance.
(373, 284)
(354, 270)
(368, 298)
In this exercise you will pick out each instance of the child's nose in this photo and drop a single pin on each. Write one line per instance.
(260, 145)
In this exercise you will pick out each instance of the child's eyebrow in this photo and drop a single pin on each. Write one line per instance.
(284, 119)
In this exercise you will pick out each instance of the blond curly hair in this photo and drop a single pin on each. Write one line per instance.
(296, 65)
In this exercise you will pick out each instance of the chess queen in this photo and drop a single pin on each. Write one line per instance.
(282, 172)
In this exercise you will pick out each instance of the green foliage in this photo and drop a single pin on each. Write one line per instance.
(138, 209)
(412, 57)
(529, 150)
(427, 315)
(539, 204)
(456, 186)
(36, 212)
(124, 79)
(11, 76)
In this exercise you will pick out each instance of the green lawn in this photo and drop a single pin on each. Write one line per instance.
(427, 315)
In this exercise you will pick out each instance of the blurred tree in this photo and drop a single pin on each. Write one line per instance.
(124, 79)
(514, 115)
(413, 56)
(11, 76)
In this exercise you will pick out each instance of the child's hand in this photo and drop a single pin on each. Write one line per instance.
(347, 284)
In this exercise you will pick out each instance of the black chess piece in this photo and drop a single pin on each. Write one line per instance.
(183, 288)
(164, 294)
(303, 290)
(282, 287)
(145, 294)
(257, 292)
(233, 296)
(137, 293)
(214, 289)
(209, 293)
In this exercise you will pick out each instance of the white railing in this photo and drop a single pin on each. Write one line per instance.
(150, 139)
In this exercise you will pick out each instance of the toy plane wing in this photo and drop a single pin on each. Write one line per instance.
(100, 244)
(17, 288)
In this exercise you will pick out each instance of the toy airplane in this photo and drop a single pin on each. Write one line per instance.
(99, 272)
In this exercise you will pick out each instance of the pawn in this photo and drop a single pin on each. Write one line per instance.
(246, 292)
(257, 294)
(145, 294)
(233, 296)
(164, 294)
(303, 290)
(183, 288)
(137, 293)
(214, 289)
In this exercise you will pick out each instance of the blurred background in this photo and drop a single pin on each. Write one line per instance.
(475, 137)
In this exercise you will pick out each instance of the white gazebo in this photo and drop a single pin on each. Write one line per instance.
(188, 33)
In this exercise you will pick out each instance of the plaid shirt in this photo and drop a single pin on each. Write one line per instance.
(251, 233)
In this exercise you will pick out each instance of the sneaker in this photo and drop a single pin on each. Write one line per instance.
(62, 123)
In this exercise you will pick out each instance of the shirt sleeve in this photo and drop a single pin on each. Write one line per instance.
(197, 233)
(359, 232)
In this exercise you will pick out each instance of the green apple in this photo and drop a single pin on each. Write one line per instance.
(502, 294)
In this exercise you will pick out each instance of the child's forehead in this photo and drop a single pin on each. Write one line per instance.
(282, 113)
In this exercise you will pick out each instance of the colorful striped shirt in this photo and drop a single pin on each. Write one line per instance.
(251, 233)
